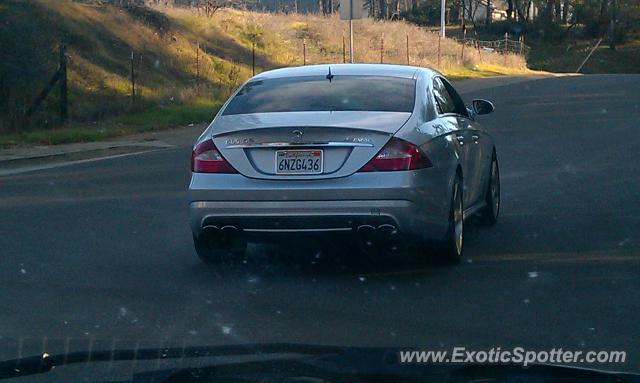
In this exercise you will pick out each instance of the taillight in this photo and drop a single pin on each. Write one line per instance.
(397, 154)
(205, 158)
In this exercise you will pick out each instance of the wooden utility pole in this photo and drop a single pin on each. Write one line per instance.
(349, 10)
(351, 31)
(443, 7)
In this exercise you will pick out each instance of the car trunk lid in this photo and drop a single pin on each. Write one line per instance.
(264, 145)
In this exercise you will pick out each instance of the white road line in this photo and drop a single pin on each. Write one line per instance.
(26, 169)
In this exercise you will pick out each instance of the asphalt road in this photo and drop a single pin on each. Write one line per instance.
(101, 251)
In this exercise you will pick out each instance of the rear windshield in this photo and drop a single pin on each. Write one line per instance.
(317, 93)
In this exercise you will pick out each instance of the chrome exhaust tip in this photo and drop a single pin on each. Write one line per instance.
(387, 230)
(366, 230)
(229, 229)
(210, 229)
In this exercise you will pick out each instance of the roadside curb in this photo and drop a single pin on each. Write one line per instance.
(22, 159)
(54, 151)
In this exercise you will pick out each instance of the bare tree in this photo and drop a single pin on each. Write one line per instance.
(565, 11)
(324, 7)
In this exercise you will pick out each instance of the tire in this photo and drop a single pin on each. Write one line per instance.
(211, 250)
(450, 249)
(489, 214)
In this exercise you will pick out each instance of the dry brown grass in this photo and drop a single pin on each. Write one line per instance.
(168, 41)
(283, 36)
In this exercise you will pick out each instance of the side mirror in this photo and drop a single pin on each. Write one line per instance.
(482, 106)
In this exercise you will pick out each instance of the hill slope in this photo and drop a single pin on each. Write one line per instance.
(185, 62)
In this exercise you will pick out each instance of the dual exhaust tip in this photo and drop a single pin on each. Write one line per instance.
(226, 230)
(384, 229)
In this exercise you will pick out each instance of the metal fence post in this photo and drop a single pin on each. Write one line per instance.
(351, 36)
(407, 49)
(253, 58)
(464, 40)
(506, 42)
(133, 80)
(344, 51)
(381, 49)
(64, 107)
(475, 34)
(304, 52)
(59, 75)
(439, 38)
(506, 47)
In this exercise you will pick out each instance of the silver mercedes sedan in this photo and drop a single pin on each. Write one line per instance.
(375, 153)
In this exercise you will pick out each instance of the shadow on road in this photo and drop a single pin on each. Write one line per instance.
(327, 260)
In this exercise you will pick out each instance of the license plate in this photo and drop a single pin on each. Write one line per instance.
(299, 161)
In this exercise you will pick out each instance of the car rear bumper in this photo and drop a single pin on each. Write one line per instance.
(404, 203)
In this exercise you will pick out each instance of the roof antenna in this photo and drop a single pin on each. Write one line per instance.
(329, 76)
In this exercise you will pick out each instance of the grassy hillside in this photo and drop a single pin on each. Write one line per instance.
(569, 48)
(186, 63)
(568, 57)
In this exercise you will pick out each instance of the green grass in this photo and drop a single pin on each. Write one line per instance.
(565, 58)
(169, 116)
(154, 118)
(485, 70)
